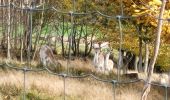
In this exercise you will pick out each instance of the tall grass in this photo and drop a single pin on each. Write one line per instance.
(42, 86)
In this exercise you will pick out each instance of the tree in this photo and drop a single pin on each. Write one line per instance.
(9, 31)
(147, 86)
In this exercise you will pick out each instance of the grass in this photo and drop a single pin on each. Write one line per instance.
(38, 88)
(42, 86)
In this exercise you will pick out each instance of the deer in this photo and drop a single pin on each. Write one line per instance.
(47, 57)
(98, 59)
(101, 59)
(108, 63)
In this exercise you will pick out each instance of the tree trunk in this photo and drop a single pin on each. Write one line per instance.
(21, 50)
(8, 33)
(12, 39)
(62, 37)
(85, 42)
(136, 63)
(62, 45)
(78, 40)
(74, 48)
(140, 52)
(90, 43)
(71, 36)
(26, 31)
(146, 57)
(147, 86)
(3, 31)
(39, 32)
(22, 31)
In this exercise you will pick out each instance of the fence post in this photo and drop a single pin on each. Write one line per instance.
(166, 92)
(24, 83)
(114, 88)
(64, 83)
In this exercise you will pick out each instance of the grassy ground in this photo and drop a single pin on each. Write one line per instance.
(42, 86)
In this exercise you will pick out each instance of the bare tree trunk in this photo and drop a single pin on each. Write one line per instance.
(21, 37)
(146, 57)
(90, 49)
(78, 40)
(86, 42)
(140, 50)
(136, 63)
(3, 30)
(12, 28)
(62, 37)
(26, 33)
(15, 29)
(74, 48)
(39, 32)
(8, 33)
(147, 86)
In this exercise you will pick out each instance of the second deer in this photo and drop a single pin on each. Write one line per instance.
(47, 57)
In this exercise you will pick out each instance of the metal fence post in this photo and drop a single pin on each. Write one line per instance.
(166, 92)
(24, 83)
(114, 88)
(64, 83)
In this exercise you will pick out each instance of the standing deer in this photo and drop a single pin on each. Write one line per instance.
(47, 57)
(98, 60)
(108, 63)
(101, 60)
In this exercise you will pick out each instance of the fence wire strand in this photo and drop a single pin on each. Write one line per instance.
(79, 76)
(36, 9)
(64, 76)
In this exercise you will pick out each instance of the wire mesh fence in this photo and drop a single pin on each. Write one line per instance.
(114, 83)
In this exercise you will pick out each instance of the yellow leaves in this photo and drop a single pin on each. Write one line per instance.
(168, 30)
(67, 3)
(153, 23)
(137, 11)
(147, 21)
(134, 6)
(143, 12)
(168, 5)
(157, 2)
(151, 3)
(140, 12)
(143, 8)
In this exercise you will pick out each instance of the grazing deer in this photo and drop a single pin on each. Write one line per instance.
(47, 57)
(101, 60)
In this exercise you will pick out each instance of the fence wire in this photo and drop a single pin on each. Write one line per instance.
(64, 76)
(38, 9)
